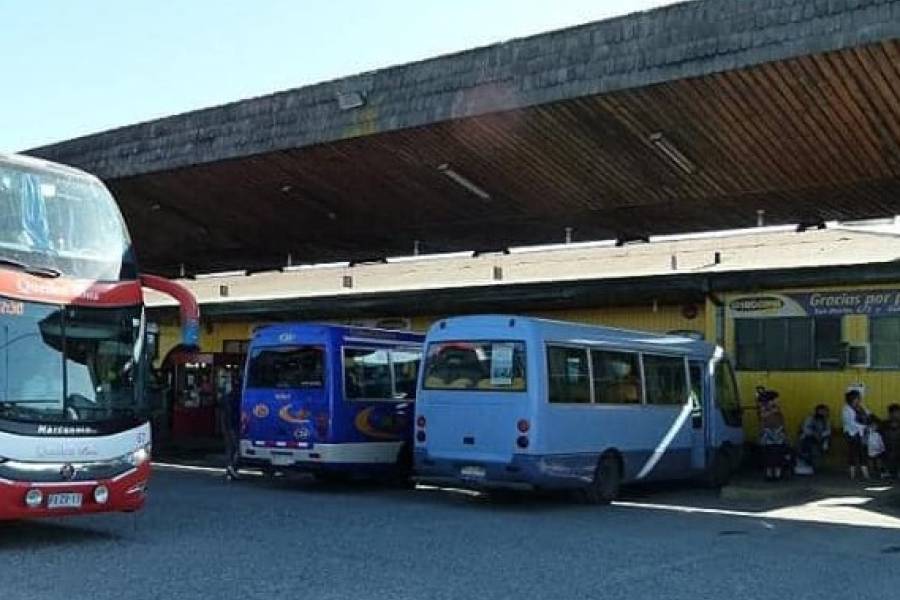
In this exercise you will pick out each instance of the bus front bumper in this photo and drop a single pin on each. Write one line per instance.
(126, 492)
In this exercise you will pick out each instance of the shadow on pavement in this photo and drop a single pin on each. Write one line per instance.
(826, 498)
(19, 535)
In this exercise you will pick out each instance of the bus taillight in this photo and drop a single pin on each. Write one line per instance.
(420, 422)
(523, 425)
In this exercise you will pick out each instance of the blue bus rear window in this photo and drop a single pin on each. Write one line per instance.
(482, 365)
(286, 367)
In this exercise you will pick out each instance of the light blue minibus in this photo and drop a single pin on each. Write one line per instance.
(524, 403)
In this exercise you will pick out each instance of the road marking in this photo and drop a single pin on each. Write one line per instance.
(197, 469)
(830, 511)
(177, 467)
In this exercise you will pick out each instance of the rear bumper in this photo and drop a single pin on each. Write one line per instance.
(127, 493)
(521, 472)
(320, 456)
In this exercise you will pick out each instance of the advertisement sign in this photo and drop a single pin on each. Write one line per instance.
(501, 364)
(816, 304)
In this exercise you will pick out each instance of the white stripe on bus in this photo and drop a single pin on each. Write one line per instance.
(666, 441)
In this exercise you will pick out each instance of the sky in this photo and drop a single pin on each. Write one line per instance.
(74, 67)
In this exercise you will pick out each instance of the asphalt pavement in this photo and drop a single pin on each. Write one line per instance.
(200, 537)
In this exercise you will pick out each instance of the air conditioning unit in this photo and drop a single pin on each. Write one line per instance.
(858, 356)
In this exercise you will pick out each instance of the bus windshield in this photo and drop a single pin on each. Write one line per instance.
(485, 366)
(286, 367)
(63, 221)
(69, 363)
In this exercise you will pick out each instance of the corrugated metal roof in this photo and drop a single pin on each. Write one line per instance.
(746, 251)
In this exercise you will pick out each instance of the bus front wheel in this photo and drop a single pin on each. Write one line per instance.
(607, 482)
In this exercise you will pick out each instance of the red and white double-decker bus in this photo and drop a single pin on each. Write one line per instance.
(74, 415)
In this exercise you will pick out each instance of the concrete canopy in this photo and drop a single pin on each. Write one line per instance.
(692, 116)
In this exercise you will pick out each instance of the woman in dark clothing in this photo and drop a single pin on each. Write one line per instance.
(890, 433)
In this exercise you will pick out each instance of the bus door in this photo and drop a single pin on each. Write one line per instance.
(699, 418)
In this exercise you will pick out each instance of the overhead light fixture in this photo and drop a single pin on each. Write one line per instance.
(350, 100)
(463, 181)
(667, 149)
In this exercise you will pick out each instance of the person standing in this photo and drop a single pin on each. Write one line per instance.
(772, 434)
(230, 409)
(875, 447)
(890, 433)
(854, 418)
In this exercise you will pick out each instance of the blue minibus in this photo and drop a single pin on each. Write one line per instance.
(329, 399)
(525, 403)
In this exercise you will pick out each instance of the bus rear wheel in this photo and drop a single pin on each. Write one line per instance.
(607, 482)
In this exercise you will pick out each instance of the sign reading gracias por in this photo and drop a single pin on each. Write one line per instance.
(836, 303)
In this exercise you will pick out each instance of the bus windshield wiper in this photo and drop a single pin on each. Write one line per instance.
(48, 272)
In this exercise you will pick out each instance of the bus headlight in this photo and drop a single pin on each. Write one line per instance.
(139, 456)
(101, 494)
(34, 498)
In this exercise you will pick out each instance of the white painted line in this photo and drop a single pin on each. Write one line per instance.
(196, 469)
(176, 467)
(452, 490)
(831, 511)
(687, 509)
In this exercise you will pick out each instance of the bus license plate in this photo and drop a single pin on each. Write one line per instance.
(64, 501)
(282, 459)
(473, 472)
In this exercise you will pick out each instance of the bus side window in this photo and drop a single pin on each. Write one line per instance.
(696, 394)
(406, 371)
(617, 377)
(367, 374)
(665, 380)
(568, 375)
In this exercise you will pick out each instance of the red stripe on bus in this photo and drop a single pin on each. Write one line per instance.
(81, 292)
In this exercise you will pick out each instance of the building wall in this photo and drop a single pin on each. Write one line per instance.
(800, 391)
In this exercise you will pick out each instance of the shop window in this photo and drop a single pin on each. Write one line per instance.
(828, 345)
(884, 336)
(568, 375)
(788, 343)
(617, 377)
(666, 379)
